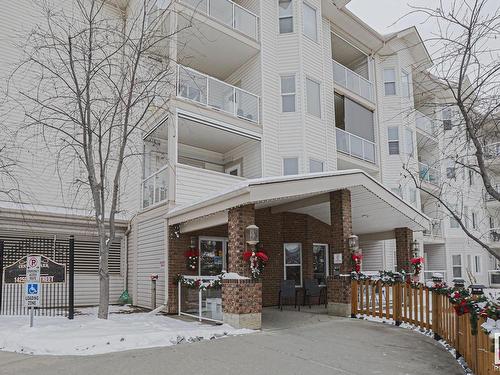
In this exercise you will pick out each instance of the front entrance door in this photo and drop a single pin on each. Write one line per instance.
(320, 262)
(213, 256)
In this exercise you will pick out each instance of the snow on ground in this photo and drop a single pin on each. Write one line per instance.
(87, 335)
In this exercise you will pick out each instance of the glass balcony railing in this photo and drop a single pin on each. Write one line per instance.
(216, 94)
(228, 13)
(436, 229)
(429, 174)
(355, 146)
(352, 81)
(425, 123)
(155, 187)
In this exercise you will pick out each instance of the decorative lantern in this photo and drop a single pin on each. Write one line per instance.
(476, 289)
(437, 277)
(353, 243)
(458, 283)
(252, 234)
(193, 243)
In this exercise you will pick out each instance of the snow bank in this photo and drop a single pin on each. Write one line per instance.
(87, 335)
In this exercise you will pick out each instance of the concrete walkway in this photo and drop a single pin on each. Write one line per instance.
(290, 343)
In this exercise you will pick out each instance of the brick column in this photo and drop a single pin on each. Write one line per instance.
(339, 289)
(404, 238)
(241, 298)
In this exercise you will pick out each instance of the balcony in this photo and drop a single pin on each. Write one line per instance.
(155, 187)
(429, 174)
(355, 146)
(425, 123)
(229, 14)
(215, 94)
(436, 229)
(492, 151)
(352, 81)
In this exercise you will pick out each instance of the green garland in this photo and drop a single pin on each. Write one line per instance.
(199, 283)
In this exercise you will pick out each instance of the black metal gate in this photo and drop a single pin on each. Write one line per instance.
(57, 299)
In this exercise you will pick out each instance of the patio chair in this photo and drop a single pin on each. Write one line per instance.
(288, 292)
(313, 290)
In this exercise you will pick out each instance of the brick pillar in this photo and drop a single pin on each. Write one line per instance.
(339, 289)
(238, 219)
(404, 238)
(241, 298)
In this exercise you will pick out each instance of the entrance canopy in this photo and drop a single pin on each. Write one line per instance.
(375, 209)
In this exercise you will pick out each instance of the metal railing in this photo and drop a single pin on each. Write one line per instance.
(200, 303)
(352, 81)
(425, 123)
(217, 94)
(436, 229)
(155, 187)
(428, 174)
(228, 13)
(429, 274)
(353, 145)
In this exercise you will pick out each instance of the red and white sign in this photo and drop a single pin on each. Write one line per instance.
(33, 265)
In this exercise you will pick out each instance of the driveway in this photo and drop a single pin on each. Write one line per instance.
(290, 343)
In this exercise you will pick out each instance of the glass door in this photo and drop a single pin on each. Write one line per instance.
(320, 262)
(213, 256)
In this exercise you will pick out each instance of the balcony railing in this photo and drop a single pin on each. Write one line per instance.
(429, 174)
(492, 151)
(425, 123)
(353, 145)
(217, 94)
(154, 188)
(436, 229)
(228, 13)
(352, 81)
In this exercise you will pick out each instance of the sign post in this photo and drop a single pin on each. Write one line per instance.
(32, 284)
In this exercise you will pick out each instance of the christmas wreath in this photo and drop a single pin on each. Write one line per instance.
(191, 259)
(356, 262)
(257, 260)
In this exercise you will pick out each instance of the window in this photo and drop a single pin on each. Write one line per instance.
(293, 262)
(315, 166)
(446, 113)
(451, 171)
(234, 170)
(477, 264)
(320, 262)
(466, 217)
(288, 93)
(213, 256)
(492, 222)
(310, 22)
(456, 265)
(285, 16)
(390, 81)
(405, 84)
(471, 177)
(409, 141)
(290, 166)
(474, 220)
(313, 97)
(354, 118)
(393, 139)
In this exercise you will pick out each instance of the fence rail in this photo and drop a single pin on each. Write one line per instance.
(353, 145)
(422, 307)
(352, 81)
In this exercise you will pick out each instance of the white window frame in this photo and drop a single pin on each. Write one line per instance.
(477, 264)
(327, 256)
(389, 140)
(312, 160)
(390, 82)
(315, 36)
(294, 93)
(453, 266)
(283, 165)
(233, 167)
(405, 86)
(286, 16)
(285, 264)
(315, 81)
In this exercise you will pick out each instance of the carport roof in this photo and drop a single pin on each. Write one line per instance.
(375, 209)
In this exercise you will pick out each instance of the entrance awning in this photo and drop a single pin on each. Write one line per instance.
(375, 209)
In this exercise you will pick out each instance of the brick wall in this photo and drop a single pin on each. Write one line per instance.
(341, 220)
(339, 289)
(238, 219)
(404, 238)
(241, 296)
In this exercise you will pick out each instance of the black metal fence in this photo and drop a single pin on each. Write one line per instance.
(56, 299)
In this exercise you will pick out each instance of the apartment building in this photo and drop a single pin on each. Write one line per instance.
(293, 115)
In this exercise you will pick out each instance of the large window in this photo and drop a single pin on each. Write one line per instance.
(313, 97)
(213, 256)
(290, 166)
(353, 118)
(285, 16)
(316, 166)
(447, 123)
(390, 81)
(293, 262)
(288, 93)
(393, 140)
(320, 262)
(456, 265)
(405, 84)
(310, 22)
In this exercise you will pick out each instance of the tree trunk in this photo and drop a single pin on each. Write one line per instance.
(103, 279)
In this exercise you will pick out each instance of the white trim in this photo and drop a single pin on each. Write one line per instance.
(294, 93)
(292, 16)
(320, 86)
(316, 13)
(285, 264)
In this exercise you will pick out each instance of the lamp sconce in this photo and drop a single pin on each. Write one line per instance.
(193, 243)
(353, 243)
(252, 234)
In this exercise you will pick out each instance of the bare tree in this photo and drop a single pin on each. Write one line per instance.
(467, 73)
(102, 77)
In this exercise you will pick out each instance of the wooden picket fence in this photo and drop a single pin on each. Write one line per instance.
(426, 309)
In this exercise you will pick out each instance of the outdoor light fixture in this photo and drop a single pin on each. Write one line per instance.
(414, 247)
(353, 242)
(252, 234)
(193, 243)
(476, 289)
